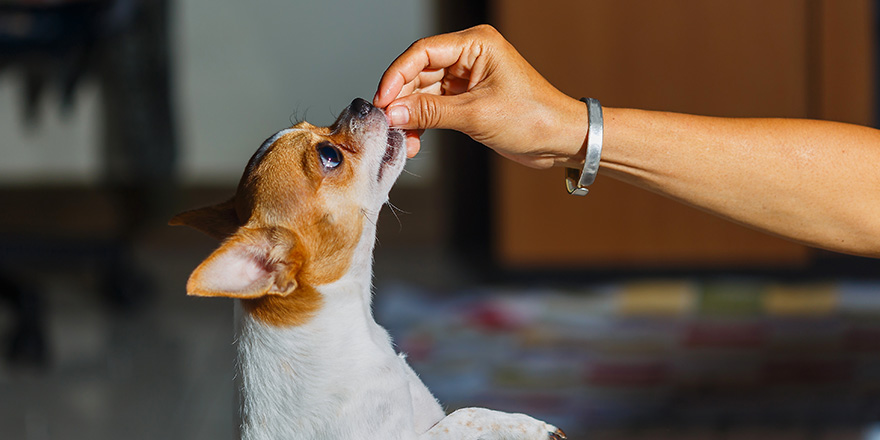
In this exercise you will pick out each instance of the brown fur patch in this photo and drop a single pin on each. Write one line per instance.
(285, 311)
(290, 189)
(287, 188)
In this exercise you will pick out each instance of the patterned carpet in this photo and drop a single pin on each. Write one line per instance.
(654, 359)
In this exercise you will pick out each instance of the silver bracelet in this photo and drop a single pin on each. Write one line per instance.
(576, 185)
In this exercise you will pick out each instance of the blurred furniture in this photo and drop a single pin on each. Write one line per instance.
(123, 45)
(786, 58)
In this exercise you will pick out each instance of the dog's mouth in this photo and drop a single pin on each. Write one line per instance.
(394, 143)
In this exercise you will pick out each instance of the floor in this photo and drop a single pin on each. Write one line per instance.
(162, 369)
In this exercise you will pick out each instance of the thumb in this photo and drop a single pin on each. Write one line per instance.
(421, 111)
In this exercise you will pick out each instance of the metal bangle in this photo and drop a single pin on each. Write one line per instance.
(576, 185)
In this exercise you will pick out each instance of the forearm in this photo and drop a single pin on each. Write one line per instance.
(813, 182)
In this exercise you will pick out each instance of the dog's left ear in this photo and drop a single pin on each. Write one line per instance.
(218, 221)
(251, 263)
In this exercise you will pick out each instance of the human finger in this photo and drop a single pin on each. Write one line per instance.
(413, 142)
(428, 81)
(438, 83)
(431, 53)
(422, 111)
(433, 89)
(428, 78)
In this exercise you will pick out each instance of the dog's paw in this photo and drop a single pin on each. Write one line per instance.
(485, 424)
(552, 432)
(558, 435)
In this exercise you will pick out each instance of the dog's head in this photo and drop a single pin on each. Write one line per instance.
(301, 207)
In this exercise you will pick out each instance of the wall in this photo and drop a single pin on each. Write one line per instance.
(242, 71)
(791, 58)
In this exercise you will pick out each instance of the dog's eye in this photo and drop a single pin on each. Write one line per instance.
(329, 155)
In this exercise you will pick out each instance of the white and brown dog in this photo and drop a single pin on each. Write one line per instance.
(297, 250)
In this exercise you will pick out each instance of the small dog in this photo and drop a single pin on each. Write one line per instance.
(297, 250)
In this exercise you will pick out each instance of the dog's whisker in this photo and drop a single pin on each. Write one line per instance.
(394, 211)
(396, 208)
(294, 116)
(369, 217)
(411, 173)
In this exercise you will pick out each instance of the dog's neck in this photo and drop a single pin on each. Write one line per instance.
(294, 376)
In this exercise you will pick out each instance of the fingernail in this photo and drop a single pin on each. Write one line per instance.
(398, 115)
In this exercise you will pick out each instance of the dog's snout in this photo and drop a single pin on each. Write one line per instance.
(359, 117)
(360, 108)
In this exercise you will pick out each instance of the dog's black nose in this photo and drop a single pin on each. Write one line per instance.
(360, 107)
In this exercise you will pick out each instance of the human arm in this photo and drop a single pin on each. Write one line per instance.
(814, 182)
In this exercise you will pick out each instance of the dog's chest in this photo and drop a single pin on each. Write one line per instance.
(331, 378)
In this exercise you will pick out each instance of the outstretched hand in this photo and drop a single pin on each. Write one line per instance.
(475, 82)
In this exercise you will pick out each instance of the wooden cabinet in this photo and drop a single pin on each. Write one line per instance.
(755, 58)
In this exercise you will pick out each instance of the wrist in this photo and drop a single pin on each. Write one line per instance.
(573, 148)
(577, 180)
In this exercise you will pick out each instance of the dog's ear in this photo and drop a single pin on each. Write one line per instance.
(218, 221)
(251, 263)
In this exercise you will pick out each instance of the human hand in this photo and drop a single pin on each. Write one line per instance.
(475, 82)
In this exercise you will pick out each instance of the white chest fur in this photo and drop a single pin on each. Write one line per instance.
(335, 377)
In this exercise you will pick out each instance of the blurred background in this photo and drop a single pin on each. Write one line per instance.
(619, 316)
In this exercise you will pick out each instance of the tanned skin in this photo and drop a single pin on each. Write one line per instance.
(813, 182)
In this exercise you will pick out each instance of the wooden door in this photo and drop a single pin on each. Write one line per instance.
(755, 58)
